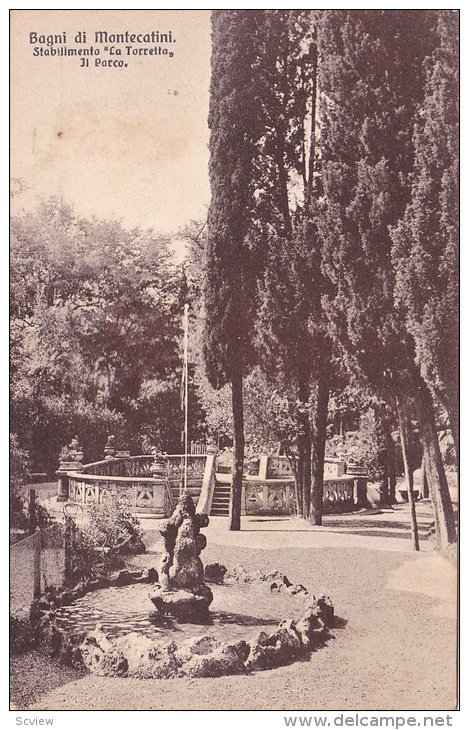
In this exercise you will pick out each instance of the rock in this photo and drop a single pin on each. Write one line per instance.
(297, 589)
(149, 575)
(218, 664)
(121, 578)
(215, 572)
(273, 650)
(98, 583)
(183, 604)
(326, 610)
(279, 585)
(201, 645)
(274, 575)
(100, 656)
(240, 649)
(111, 664)
(146, 658)
(311, 628)
(287, 623)
(239, 574)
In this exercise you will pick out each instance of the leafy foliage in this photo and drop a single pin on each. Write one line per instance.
(425, 241)
(95, 333)
(367, 112)
(23, 636)
(98, 548)
(113, 526)
(231, 266)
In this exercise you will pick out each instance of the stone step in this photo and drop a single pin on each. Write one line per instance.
(221, 500)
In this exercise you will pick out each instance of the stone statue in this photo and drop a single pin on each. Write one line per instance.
(182, 590)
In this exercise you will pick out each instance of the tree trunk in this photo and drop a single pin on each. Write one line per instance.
(304, 449)
(238, 451)
(425, 493)
(392, 487)
(298, 493)
(390, 468)
(453, 417)
(445, 528)
(319, 444)
(404, 432)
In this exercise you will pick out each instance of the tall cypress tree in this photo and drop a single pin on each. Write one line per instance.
(425, 250)
(371, 82)
(231, 261)
(293, 344)
(284, 74)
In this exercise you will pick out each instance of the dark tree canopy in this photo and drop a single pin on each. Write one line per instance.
(231, 264)
(371, 83)
(425, 251)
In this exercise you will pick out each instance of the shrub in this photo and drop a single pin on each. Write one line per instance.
(97, 549)
(23, 636)
(113, 526)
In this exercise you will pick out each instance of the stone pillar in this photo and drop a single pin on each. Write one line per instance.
(212, 448)
(243, 499)
(62, 484)
(110, 447)
(75, 456)
(159, 472)
(263, 464)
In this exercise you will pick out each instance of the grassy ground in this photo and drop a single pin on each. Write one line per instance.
(394, 648)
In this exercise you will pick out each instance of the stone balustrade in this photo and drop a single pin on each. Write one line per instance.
(147, 486)
(150, 487)
(278, 496)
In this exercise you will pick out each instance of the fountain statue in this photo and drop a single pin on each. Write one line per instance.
(181, 591)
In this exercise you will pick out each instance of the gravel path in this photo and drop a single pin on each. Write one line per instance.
(394, 649)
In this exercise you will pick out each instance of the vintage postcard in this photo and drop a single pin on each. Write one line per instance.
(234, 408)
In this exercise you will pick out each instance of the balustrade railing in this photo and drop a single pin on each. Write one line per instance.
(136, 480)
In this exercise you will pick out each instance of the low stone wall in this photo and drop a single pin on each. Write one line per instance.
(277, 496)
(52, 558)
(132, 479)
(24, 575)
(37, 564)
(143, 494)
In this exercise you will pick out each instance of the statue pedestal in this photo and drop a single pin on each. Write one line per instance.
(182, 604)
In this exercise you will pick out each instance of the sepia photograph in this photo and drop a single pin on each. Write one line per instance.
(234, 363)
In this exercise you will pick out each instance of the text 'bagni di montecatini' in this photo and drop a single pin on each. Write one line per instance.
(102, 36)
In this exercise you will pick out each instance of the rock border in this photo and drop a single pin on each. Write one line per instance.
(134, 655)
(57, 640)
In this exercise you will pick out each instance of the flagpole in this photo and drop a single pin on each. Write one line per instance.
(186, 390)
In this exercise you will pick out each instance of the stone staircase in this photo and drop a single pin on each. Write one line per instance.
(221, 499)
